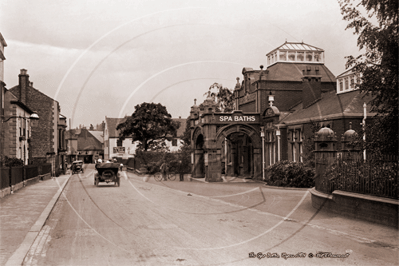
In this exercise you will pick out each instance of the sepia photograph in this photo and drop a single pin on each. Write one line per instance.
(199, 132)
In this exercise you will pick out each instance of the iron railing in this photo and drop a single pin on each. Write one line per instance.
(375, 176)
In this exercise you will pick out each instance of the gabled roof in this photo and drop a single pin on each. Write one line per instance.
(331, 105)
(182, 128)
(111, 124)
(98, 135)
(346, 72)
(86, 141)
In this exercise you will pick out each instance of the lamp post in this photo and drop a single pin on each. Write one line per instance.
(33, 116)
(262, 134)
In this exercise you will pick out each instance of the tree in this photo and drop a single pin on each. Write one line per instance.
(378, 66)
(150, 124)
(187, 133)
(224, 97)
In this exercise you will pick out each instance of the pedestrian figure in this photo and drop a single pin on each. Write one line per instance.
(181, 170)
(164, 169)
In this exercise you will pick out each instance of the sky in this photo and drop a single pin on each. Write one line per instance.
(101, 58)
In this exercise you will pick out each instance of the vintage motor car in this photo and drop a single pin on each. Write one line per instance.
(77, 167)
(107, 172)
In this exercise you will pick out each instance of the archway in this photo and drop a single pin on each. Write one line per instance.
(240, 147)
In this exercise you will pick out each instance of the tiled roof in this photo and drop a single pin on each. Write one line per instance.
(98, 135)
(182, 128)
(86, 141)
(111, 124)
(330, 105)
(293, 72)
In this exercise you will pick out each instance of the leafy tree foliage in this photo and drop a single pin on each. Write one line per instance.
(223, 96)
(187, 133)
(150, 124)
(378, 66)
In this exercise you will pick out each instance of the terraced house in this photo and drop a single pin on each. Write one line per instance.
(47, 136)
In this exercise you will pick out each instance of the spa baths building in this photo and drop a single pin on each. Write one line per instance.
(276, 110)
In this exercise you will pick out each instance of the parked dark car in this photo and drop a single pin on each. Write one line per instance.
(77, 167)
(107, 172)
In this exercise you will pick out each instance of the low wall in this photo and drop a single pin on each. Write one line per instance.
(365, 207)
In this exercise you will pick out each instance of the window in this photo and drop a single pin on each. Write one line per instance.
(341, 85)
(119, 143)
(268, 60)
(309, 57)
(317, 57)
(352, 82)
(293, 152)
(346, 83)
(291, 56)
(300, 56)
(283, 56)
(174, 142)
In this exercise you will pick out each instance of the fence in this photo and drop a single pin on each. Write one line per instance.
(10, 176)
(377, 176)
(4, 177)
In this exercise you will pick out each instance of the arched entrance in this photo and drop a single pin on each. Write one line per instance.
(237, 155)
(240, 147)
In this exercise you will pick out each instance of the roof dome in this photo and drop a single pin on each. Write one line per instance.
(325, 134)
(349, 135)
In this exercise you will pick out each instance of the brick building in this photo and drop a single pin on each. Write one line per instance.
(16, 128)
(47, 142)
(3, 44)
(277, 110)
(85, 145)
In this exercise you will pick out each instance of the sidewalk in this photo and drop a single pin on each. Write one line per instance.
(23, 214)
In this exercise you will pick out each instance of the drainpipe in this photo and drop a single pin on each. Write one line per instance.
(364, 128)
(262, 134)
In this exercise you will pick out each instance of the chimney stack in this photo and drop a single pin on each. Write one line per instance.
(23, 84)
(311, 87)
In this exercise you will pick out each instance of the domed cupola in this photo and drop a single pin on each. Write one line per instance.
(325, 139)
(348, 138)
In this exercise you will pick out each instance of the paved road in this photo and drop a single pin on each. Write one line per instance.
(195, 223)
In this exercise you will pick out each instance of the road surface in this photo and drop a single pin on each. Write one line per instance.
(196, 223)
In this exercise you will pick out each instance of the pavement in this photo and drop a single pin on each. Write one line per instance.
(22, 216)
